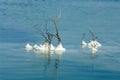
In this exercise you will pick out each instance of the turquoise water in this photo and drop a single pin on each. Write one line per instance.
(17, 18)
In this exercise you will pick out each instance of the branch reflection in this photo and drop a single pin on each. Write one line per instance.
(51, 61)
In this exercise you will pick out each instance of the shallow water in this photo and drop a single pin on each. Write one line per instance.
(17, 19)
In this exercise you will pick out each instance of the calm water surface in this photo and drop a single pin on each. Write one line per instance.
(17, 18)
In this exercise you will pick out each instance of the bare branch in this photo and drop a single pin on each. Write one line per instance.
(39, 30)
(93, 35)
(83, 36)
(58, 17)
(57, 33)
(49, 18)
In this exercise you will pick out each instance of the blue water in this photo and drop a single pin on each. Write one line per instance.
(17, 18)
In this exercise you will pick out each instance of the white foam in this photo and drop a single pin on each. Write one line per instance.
(28, 46)
(84, 44)
(51, 47)
(60, 47)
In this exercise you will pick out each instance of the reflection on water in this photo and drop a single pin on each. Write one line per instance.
(86, 50)
(51, 60)
(57, 61)
(54, 65)
(94, 54)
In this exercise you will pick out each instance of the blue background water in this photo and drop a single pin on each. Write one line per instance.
(17, 18)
